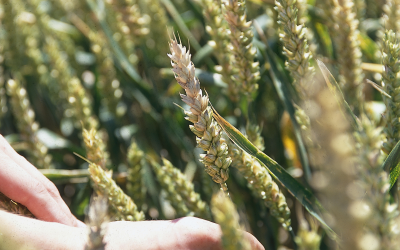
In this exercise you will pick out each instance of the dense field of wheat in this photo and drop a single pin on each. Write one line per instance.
(280, 117)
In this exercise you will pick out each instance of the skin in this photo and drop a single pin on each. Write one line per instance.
(56, 227)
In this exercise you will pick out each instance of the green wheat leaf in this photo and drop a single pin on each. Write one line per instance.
(284, 95)
(338, 94)
(302, 194)
(392, 164)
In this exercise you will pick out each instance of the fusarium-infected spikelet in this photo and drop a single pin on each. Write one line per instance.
(246, 71)
(345, 36)
(12, 207)
(97, 223)
(95, 148)
(121, 205)
(295, 45)
(135, 186)
(208, 133)
(226, 216)
(381, 220)
(168, 184)
(391, 64)
(186, 190)
(26, 123)
(261, 182)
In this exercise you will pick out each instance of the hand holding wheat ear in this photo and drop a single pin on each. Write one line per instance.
(23, 183)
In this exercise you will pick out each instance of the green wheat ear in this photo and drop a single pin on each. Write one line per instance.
(121, 206)
(226, 216)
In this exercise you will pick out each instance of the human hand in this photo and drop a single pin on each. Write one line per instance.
(23, 183)
(186, 233)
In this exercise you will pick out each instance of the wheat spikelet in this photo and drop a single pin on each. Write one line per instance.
(95, 148)
(186, 190)
(121, 205)
(168, 184)
(296, 49)
(208, 132)
(135, 185)
(246, 71)
(260, 181)
(225, 215)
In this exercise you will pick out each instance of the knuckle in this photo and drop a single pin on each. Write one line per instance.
(52, 189)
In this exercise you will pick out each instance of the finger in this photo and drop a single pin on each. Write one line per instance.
(32, 170)
(202, 234)
(19, 186)
(187, 233)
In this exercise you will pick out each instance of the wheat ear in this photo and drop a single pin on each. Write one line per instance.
(208, 133)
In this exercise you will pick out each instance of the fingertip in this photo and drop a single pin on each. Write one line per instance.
(80, 224)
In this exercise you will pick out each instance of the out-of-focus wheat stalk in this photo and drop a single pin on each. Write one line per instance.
(335, 166)
(380, 226)
(135, 186)
(208, 133)
(97, 223)
(217, 27)
(26, 123)
(345, 36)
(79, 104)
(391, 63)
(226, 216)
(391, 16)
(293, 37)
(107, 81)
(245, 70)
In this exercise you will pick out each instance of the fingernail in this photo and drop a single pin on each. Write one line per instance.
(81, 224)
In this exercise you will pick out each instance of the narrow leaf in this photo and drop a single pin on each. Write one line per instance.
(285, 97)
(392, 164)
(337, 92)
(302, 194)
(379, 88)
